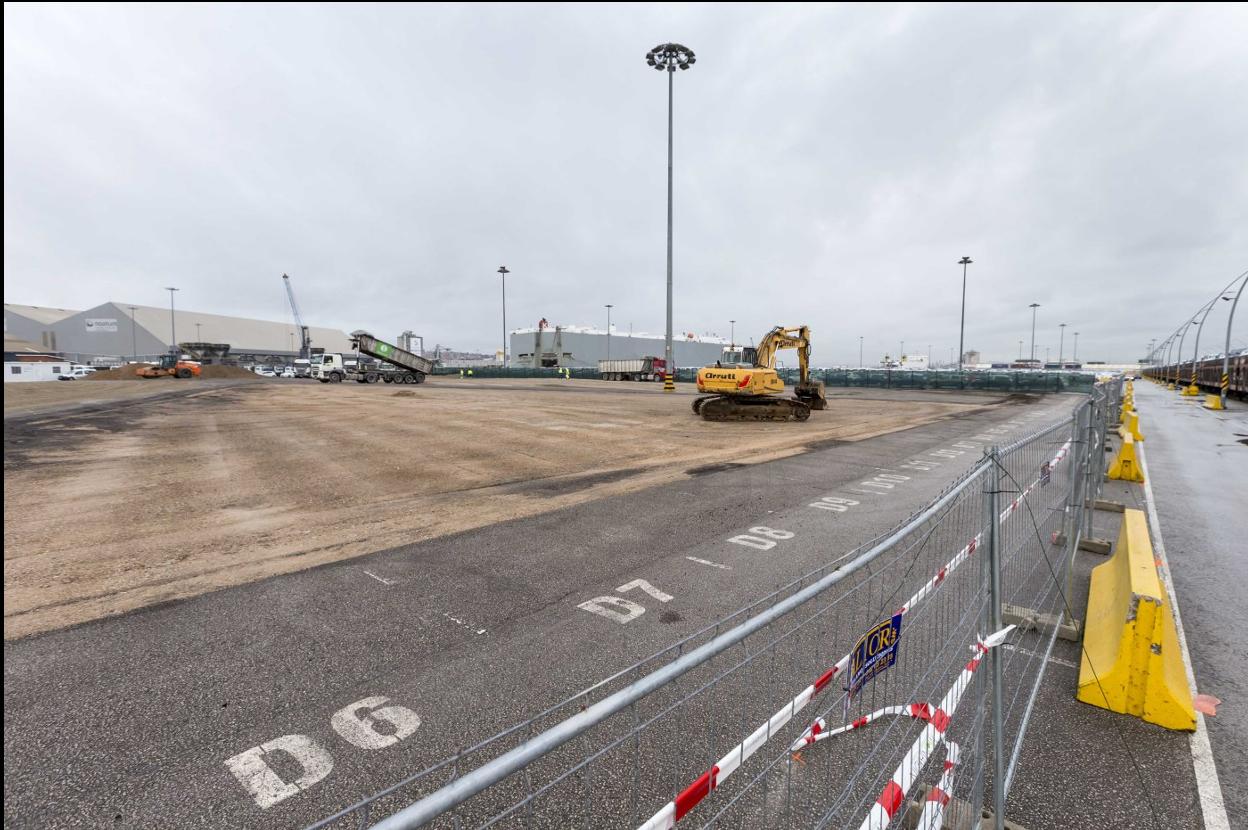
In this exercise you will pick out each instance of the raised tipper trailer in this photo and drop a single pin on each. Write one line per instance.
(394, 365)
(636, 368)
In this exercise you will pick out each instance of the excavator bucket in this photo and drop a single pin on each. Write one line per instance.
(811, 393)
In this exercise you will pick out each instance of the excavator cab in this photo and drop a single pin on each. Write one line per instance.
(745, 356)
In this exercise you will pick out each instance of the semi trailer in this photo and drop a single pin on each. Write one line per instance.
(390, 363)
(637, 368)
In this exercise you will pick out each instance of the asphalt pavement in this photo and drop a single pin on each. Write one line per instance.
(1198, 463)
(370, 669)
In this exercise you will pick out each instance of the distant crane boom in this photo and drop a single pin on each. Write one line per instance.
(305, 341)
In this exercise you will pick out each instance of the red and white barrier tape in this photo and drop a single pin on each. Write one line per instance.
(689, 798)
(893, 796)
(933, 815)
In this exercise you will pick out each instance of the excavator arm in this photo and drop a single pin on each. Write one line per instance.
(779, 338)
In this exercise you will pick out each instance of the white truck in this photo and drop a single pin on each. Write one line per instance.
(393, 365)
(633, 368)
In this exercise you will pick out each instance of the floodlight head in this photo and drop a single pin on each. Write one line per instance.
(668, 56)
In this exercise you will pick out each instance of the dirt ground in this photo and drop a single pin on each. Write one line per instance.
(27, 398)
(155, 499)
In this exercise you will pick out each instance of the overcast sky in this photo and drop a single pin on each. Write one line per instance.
(832, 165)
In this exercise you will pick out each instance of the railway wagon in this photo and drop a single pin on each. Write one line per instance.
(1208, 374)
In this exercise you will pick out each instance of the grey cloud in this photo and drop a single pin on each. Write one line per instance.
(833, 163)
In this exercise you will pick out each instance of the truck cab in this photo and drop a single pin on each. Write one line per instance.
(329, 368)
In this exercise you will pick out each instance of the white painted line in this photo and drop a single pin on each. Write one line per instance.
(1212, 806)
(1056, 660)
(867, 492)
(379, 579)
(464, 623)
(708, 562)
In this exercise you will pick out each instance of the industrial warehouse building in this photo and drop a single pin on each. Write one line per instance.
(114, 332)
(582, 346)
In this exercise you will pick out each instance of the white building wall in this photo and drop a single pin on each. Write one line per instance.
(28, 371)
(585, 347)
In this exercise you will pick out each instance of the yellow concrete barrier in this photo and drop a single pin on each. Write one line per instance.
(1130, 637)
(1131, 426)
(1125, 466)
(1213, 402)
(1190, 391)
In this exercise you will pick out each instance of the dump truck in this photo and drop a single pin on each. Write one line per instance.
(392, 364)
(634, 368)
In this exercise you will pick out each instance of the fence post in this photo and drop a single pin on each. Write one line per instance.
(995, 624)
(1078, 498)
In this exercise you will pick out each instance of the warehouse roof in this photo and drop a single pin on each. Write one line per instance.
(242, 333)
(40, 314)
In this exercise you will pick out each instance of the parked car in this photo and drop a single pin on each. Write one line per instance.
(288, 372)
(265, 372)
(77, 372)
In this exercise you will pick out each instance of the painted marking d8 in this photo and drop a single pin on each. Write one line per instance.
(836, 504)
(764, 538)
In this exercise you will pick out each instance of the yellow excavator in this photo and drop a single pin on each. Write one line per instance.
(744, 385)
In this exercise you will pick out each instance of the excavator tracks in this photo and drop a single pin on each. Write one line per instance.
(725, 408)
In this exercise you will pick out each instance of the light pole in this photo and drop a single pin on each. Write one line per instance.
(1033, 308)
(1061, 344)
(964, 261)
(503, 272)
(929, 355)
(1196, 349)
(199, 338)
(666, 57)
(1226, 352)
(732, 335)
(173, 327)
(1074, 358)
(1178, 356)
(134, 337)
(860, 363)
(609, 307)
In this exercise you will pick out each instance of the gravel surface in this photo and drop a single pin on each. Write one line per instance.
(207, 486)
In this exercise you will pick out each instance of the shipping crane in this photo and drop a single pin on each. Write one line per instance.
(305, 341)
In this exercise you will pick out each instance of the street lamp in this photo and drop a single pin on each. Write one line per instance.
(732, 336)
(1226, 352)
(667, 57)
(1178, 356)
(1074, 358)
(199, 338)
(173, 328)
(609, 307)
(503, 272)
(134, 337)
(1061, 344)
(964, 261)
(1033, 308)
(860, 363)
